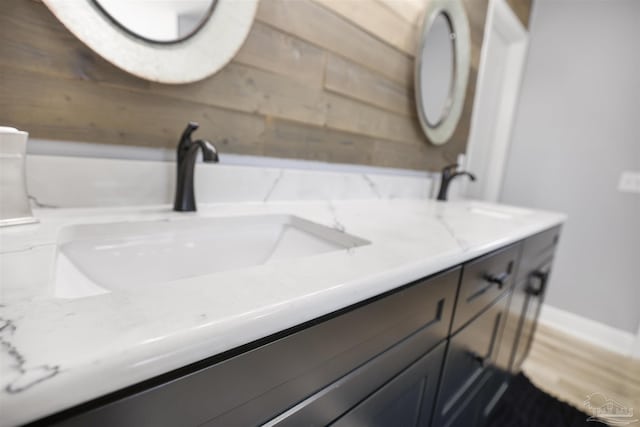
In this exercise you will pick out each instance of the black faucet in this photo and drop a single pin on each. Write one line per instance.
(187, 153)
(448, 174)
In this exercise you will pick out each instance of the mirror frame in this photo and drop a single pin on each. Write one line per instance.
(455, 13)
(131, 32)
(202, 54)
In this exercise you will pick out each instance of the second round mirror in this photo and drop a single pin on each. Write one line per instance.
(442, 69)
(438, 65)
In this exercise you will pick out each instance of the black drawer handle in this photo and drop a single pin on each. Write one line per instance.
(482, 360)
(497, 279)
(542, 277)
(492, 279)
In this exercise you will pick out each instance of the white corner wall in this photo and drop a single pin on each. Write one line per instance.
(576, 129)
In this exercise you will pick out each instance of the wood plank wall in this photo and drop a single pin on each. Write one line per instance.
(328, 80)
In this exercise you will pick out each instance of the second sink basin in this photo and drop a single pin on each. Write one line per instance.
(97, 258)
(498, 212)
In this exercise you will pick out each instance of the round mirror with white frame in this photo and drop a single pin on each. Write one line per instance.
(442, 69)
(167, 41)
(158, 21)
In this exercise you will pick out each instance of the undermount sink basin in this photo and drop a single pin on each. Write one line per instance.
(98, 258)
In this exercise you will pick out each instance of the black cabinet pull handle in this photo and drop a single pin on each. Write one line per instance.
(543, 277)
(482, 360)
(498, 279)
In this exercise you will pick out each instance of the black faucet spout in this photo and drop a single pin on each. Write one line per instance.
(471, 176)
(187, 153)
(209, 151)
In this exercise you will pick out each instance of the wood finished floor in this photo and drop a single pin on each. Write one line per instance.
(571, 369)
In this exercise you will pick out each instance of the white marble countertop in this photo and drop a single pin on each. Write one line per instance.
(56, 353)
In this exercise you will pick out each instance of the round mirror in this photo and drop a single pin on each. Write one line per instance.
(167, 41)
(438, 65)
(158, 21)
(442, 69)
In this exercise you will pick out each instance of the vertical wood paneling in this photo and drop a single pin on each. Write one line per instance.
(327, 80)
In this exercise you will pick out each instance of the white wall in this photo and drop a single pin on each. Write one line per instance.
(499, 79)
(577, 128)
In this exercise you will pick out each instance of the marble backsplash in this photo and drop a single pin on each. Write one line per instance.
(69, 182)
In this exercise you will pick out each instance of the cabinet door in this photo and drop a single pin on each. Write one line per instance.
(510, 330)
(521, 316)
(532, 292)
(470, 352)
(406, 400)
(488, 395)
(465, 414)
(475, 408)
(252, 387)
(337, 398)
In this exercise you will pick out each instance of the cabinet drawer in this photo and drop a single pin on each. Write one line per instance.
(537, 250)
(470, 352)
(407, 400)
(484, 280)
(254, 386)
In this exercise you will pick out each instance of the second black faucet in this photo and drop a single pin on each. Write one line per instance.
(448, 174)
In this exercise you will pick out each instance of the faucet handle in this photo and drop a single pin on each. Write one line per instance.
(185, 140)
(186, 134)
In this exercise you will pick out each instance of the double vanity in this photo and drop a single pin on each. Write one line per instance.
(290, 297)
(353, 312)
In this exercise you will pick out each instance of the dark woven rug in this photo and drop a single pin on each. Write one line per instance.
(525, 405)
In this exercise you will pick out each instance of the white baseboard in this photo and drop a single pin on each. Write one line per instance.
(605, 336)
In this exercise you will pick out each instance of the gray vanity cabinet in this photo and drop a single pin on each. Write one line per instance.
(312, 375)
(435, 353)
(469, 391)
